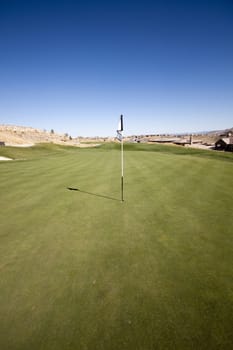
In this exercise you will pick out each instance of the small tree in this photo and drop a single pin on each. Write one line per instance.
(52, 131)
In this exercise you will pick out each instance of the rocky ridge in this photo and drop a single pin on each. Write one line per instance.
(22, 136)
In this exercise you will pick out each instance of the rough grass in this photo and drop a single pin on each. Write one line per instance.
(81, 270)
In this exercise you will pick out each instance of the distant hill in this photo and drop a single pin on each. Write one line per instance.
(224, 132)
(26, 136)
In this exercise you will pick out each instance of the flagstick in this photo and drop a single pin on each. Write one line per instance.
(120, 138)
(122, 171)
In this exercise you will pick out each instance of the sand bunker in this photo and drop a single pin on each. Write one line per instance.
(20, 144)
(5, 158)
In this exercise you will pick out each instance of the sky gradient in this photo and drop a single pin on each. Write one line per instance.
(75, 66)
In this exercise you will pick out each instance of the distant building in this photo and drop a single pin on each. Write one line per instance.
(182, 142)
(162, 140)
(224, 144)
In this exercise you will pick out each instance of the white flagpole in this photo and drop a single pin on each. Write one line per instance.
(122, 170)
(120, 138)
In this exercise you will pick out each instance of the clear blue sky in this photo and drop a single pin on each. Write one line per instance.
(75, 66)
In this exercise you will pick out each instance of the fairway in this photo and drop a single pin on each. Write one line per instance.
(82, 270)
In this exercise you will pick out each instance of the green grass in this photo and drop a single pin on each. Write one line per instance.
(81, 270)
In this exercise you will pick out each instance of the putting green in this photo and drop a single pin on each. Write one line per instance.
(82, 270)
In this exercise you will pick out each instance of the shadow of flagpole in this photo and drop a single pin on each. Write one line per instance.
(93, 194)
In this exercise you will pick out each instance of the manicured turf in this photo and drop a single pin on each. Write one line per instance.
(81, 270)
